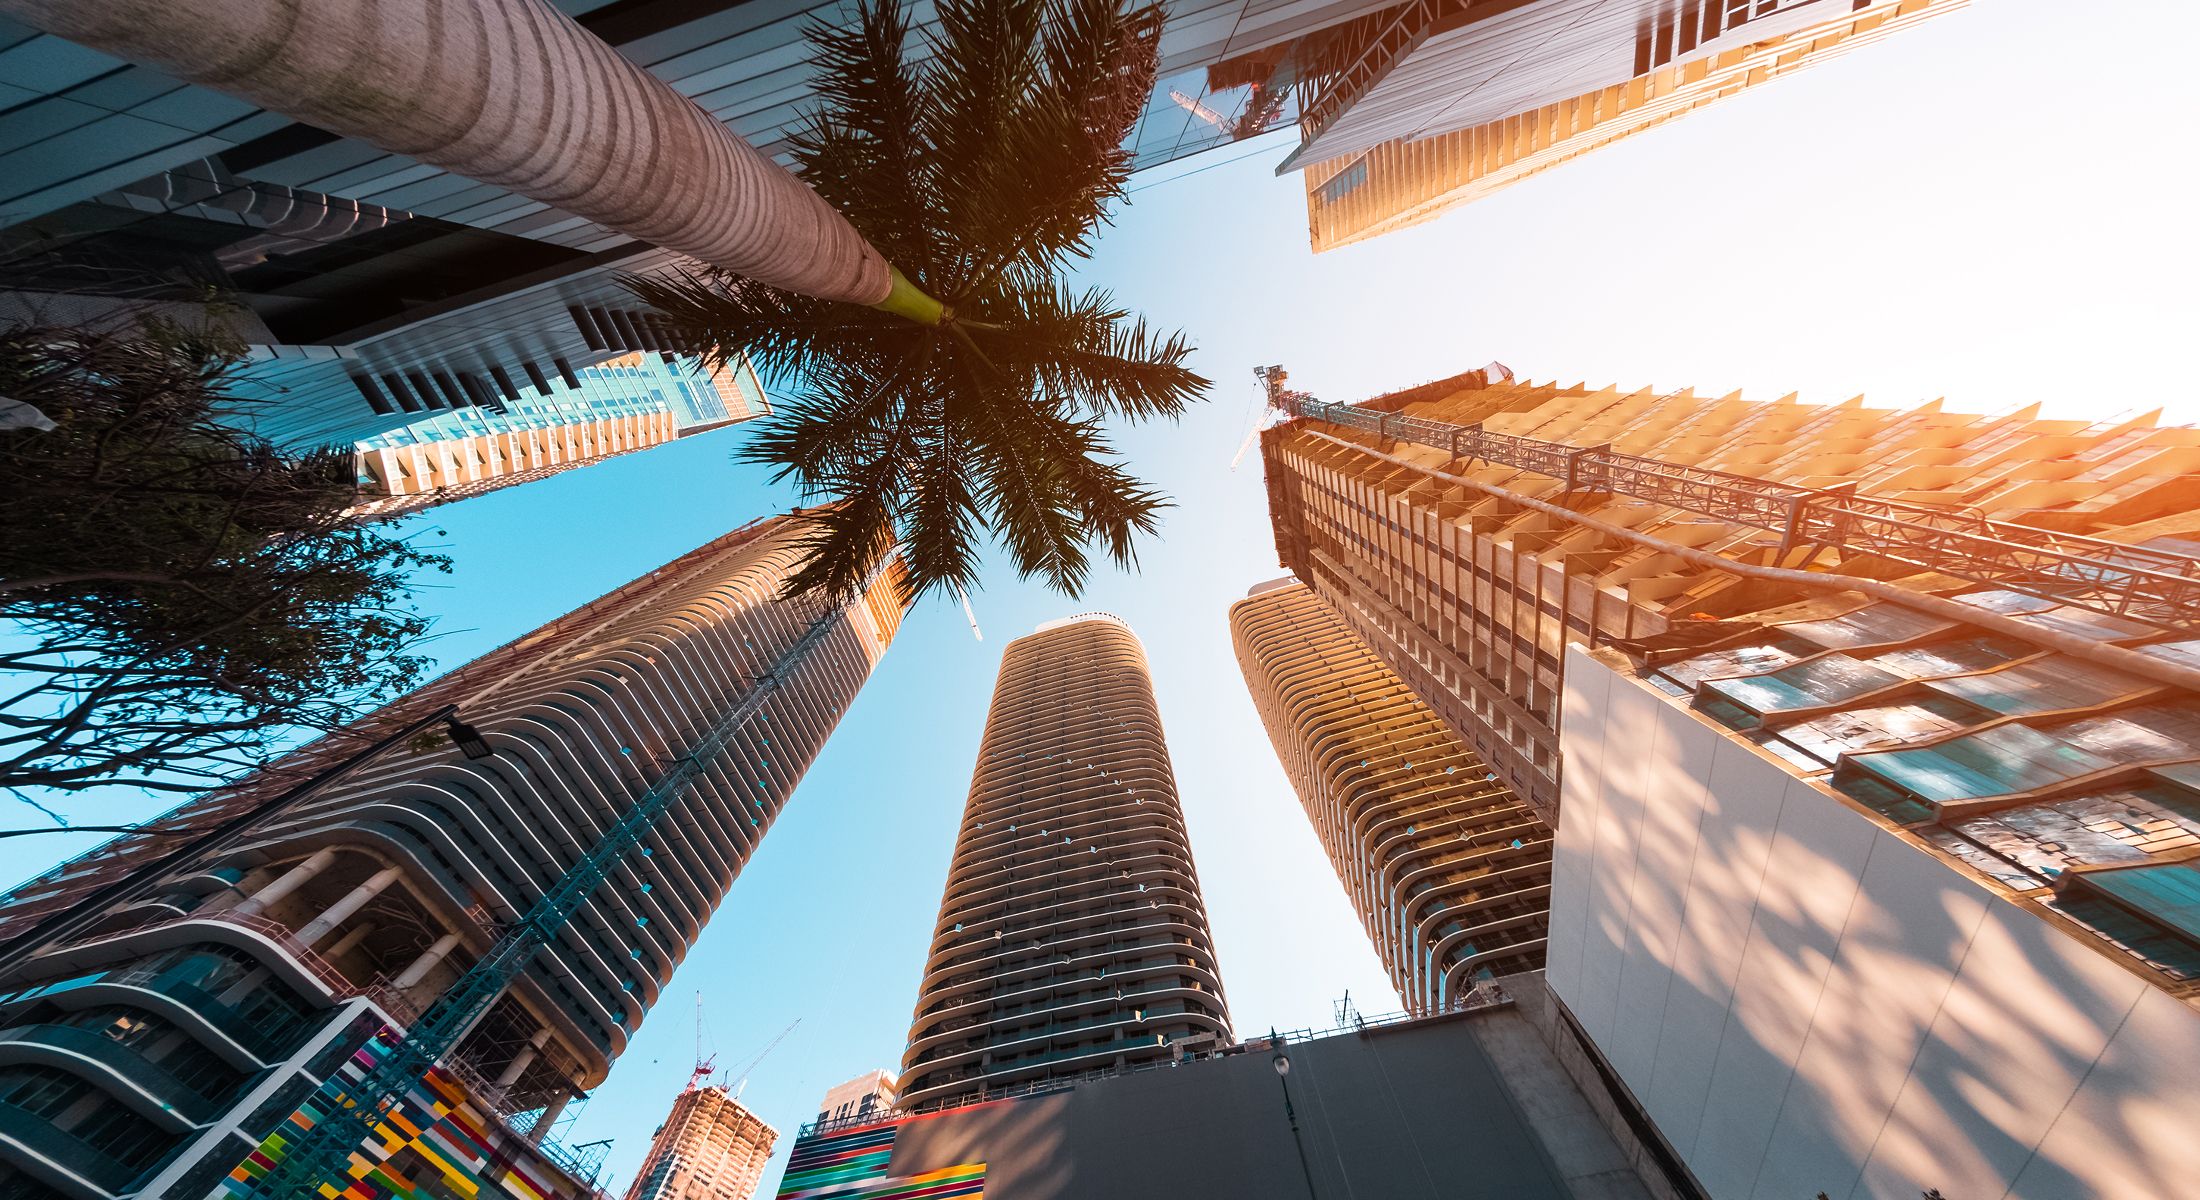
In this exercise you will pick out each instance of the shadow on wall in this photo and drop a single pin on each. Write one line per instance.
(1804, 1002)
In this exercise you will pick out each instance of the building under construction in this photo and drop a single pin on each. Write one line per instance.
(525, 893)
(1870, 736)
(710, 1148)
(1470, 528)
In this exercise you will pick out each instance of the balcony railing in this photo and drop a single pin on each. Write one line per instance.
(2158, 587)
(186, 1101)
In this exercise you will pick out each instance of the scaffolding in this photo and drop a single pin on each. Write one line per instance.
(2160, 588)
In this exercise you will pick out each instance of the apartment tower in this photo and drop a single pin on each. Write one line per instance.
(151, 1052)
(1449, 872)
(711, 1148)
(1072, 939)
(1687, 56)
(1469, 529)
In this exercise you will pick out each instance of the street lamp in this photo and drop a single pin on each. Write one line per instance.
(1282, 1063)
(468, 739)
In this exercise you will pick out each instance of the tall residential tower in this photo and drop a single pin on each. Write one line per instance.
(1449, 872)
(150, 1053)
(1072, 938)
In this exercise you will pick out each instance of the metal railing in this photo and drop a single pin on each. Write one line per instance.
(2157, 587)
(1483, 996)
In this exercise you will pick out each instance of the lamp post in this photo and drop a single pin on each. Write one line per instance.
(17, 950)
(1282, 1063)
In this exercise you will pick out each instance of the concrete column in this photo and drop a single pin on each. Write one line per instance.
(297, 877)
(351, 938)
(353, 901)
(549, 1117)
(429, 958)
(524, 1059)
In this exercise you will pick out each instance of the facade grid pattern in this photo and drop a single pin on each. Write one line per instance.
(1072, 936)
(1447, 869)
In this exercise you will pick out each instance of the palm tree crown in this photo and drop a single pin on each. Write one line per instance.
(980, 169)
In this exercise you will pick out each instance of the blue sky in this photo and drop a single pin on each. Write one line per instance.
(1995, 209)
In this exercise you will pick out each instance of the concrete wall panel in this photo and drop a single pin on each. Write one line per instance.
(1842, 1009)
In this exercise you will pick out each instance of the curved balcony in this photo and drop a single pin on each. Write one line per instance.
(136, 1080)
(266, 1040)
(33, 1137)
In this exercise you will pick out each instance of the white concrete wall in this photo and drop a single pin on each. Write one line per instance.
(1805, 1003)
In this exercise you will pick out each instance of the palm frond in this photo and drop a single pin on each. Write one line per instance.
(981, 169)
(1093, 353)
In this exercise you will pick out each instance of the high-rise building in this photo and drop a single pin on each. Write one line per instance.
(1467, 530)
(711, 1148)
(149, 1053)
(1892, 894)
(1072, 937)
(1367, 191)
(373, 292)
(627, 404)
(1449, 872)
(868, 1095)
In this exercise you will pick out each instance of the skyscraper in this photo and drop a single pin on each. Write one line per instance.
(711, 1148)
(1440, 165)
(1468, 529)
(1449, 872)
(249, 976)
(1072, 937)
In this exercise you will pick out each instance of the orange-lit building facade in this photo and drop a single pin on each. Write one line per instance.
(1404, 181)
(1469, 576)
(1448, 871)
(1072, 938)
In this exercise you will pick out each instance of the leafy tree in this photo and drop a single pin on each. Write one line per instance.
(176, 599)
(981, 169)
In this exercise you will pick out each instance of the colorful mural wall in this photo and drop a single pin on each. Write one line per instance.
(437, 1136)
(853, 1164)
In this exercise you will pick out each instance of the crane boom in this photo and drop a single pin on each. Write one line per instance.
(768, 1047)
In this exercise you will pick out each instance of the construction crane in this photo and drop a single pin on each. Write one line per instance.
(752, 1063)
(322, 1153)
(704, 1065)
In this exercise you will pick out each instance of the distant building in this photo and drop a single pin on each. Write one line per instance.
(1468, 529)
(1449, 872)
(867, 1095)
(711, 1148)
(1494, 1102)
(1072, 937)
(1691, 55)
(150, 1053)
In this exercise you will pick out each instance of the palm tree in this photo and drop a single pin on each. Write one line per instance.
(982, 169)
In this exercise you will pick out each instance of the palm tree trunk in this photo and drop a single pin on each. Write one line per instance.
(512, 93)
